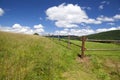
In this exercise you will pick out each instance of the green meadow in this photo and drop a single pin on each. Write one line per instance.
(32, 57)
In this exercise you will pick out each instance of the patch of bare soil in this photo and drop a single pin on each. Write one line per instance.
(111, 63)
(85, 59)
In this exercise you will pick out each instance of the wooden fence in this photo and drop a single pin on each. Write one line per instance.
(104, 41)
(83, 48)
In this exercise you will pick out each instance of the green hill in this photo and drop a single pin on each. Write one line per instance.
(109, 35)
(31, 57)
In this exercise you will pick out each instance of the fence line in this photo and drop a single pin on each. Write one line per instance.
(84, 39)
(102, 49)
(70, 43)
(104, 41)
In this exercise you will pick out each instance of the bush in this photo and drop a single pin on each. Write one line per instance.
(35, 34)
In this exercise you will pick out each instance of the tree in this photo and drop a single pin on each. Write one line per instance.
(35, 34)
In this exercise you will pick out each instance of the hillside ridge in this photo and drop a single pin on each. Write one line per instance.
(108, 35)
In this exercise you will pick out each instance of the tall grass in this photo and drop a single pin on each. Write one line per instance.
(26, 57)
(30, 57)
(104, 64)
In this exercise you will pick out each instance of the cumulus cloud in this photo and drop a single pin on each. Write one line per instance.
(107, 29)
(104, 18)
(17, 28)
(21, 29)
(92, 21)
(117, 16)
(38, 28)
(81, 32)
(62, 32)
(65, 24)
(76, 32)
(108, 19)
(1, 11)
(69, 16)
(5, 28)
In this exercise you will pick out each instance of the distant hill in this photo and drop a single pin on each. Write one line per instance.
(109, 35)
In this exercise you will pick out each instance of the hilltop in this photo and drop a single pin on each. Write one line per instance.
(109, 35)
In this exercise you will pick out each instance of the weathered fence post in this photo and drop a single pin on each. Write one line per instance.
(83, 46)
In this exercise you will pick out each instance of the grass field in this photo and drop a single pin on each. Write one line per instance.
(30, 57)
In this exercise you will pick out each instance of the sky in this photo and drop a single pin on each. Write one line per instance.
(59, 17)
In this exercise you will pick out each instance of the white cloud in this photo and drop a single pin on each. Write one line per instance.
(101, 30)
(62, 32)
(5, 28)
(76, 32)
(107, 29)
(89, 21)
(103, 3)
(17, 28)
(38, 26)
(104, 18)
(68, 16)
(117, 16)
(1, 11)
(65, 24)
(40, 18)
(108, 19)
(101, 7)
(83, 24)
(39, 30)
(81, 32)
(25, 30)
(21, 29)
(87, 8)
(111, 24)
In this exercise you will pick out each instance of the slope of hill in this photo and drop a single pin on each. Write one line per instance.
(109, 35)
(30, 57)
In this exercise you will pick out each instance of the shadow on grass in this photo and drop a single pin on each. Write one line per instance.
(66, 41)
(59, 43)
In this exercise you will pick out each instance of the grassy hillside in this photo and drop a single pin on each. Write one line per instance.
(109, 35)
(30, 57)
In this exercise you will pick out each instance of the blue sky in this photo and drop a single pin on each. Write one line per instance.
(74, 17)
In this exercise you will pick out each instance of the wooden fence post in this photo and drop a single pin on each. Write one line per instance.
(83, 47)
